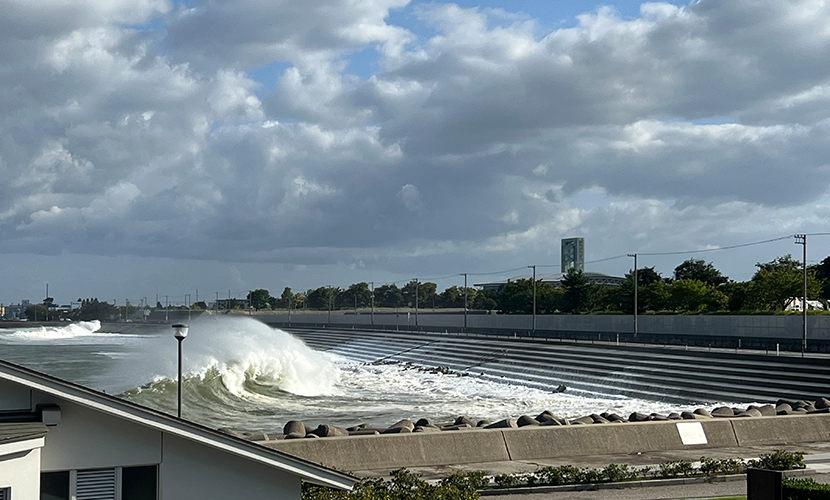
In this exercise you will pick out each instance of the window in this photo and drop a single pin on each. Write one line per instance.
(54, 485)
(139, 483)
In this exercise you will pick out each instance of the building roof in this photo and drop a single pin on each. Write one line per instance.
(142, 415)
(13, 432)
(556, 278)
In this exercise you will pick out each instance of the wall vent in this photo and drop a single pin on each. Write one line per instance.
(95, 484)
(5, 493)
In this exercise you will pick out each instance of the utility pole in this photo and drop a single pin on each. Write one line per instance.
(534, 296)
(636, 286)
(166, 308)
(373, 302)
(801, 239)
(417, 287)
(465, 301)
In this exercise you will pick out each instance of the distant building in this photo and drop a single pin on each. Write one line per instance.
(555, 280)
(573, 254)
(794, 304)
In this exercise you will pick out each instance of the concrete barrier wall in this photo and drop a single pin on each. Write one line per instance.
(790, 429)
(535, 443)
(771, 327)
(612, 439)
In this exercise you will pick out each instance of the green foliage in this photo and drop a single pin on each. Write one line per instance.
(93, 309)
(694, 296)
(258, 299)
(404, 485)
(779, 460)
(715, 467)
(699, 270)
(778, 280)
(676, 468)
(388, 296)
(805, 489)
(506, 480)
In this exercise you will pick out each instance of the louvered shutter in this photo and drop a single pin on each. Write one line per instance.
(95, 485)
(5, 493)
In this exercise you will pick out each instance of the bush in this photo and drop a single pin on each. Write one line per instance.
(506, 480)
(676, 468)
(779, 460)
(404, 485)
(805, 489)
(615, 473)
(714, 467)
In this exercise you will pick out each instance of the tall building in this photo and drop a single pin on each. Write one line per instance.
(573, 254)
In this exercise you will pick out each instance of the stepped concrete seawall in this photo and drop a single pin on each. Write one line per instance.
(482, 446)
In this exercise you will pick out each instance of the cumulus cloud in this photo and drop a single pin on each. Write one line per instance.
(142, 128)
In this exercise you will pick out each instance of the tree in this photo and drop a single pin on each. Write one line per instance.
(426, 291)
(388, 296)
(516, 297)
(258, 299)
(578, 292)
(695, 269)
(485, 300)
(357, 295)
(777, 281)
(454, 297)
(323, 298)
(651, 292)
(93, 309)
(695, 296)
(823, 274)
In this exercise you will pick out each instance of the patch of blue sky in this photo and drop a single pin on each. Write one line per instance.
(364, 63)
(267, 76)
(155, 24)
(717, 120)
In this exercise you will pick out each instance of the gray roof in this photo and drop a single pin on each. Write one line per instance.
(556, 278)
(13, 432)
(142, 415)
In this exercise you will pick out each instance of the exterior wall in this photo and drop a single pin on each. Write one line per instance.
(14, 396)
(20, 469)
(88, 439)
(193, 471)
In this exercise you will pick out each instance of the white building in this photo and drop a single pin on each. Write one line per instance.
(794, 304)
(59, 440)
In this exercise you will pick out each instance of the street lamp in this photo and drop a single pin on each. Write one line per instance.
(801, 239)
(534, 297)
(465, 301)
(180, 332)
(636, 286)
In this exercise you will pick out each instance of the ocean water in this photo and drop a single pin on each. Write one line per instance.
(242, 374)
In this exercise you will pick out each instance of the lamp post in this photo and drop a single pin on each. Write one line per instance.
(801, 239)
(417, 286)
(534, 296)
(373, 302)
(180, 332)
(636, 286)
(465, 301)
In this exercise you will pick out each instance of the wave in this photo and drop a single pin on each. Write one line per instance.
(241, 358)
(44, 333)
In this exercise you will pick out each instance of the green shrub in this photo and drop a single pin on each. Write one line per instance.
(677, 468)
(714, 467)
(779, 460)
(805, 489)
(506, 480)
(404, 485)
(615, 473)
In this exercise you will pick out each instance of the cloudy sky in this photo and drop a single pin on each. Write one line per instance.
(163, 147)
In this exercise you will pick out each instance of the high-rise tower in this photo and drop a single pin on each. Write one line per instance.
(573, 254)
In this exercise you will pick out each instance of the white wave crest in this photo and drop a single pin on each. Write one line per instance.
(70, 331)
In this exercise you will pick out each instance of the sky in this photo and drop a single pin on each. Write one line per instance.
(159, 148)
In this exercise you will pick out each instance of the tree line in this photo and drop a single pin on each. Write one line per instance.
(694, 287)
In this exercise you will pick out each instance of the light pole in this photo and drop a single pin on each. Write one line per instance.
(187, 303)
(417, 287)
(534, 296)
(373, 302)
(636, 286)
(166, 308)
(180, 332)
(465, 301)
(801, 239)
(329, 301)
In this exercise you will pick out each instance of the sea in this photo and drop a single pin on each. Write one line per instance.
(242, 374)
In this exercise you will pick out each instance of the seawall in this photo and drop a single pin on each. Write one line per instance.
(563, 442)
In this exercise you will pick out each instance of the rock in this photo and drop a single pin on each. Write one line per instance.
(822, 403)
(790, 402)
(551, 421)
(507, 423)
(359, 427)
(464, 420)
(312, 436)
(753, 412)
(424, 422)
(819, 410)
(325, 430)
(723, 411)
(639, 417)
(687, 415)
(403, 423)
(398, 430)
(560, 388)
(703, 412)
(256, 436)
(295, 427)
(599, 419)
(799, 411)
(295, 435)
(783, 409)
(426, 428)
(766, 410)
(613, 417)
(658, 418)
(483, 423)
(364, 432)
(674, 416)
(525, 421)
(231, 432)
(459, 427)
(545, 415)
(582, 421)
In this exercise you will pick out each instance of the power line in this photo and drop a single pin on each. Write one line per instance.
(742, 245)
